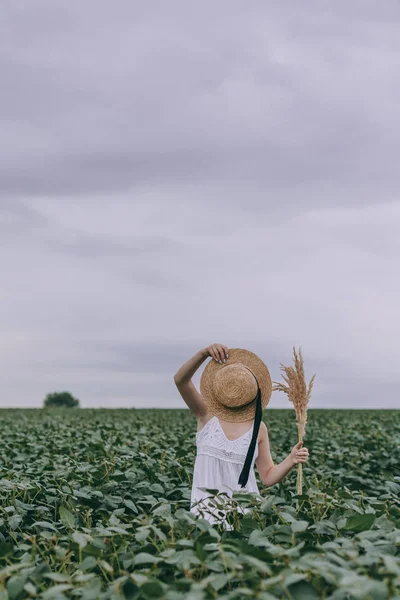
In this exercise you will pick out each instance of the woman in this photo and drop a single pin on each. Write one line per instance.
(231, 437)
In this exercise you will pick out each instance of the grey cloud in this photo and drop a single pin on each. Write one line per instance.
(130, 357)
(86, 245)
(17, 217)
(78, 173)
(111, 111)
(130, 257)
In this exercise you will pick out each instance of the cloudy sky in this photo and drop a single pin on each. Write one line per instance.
(174, 174)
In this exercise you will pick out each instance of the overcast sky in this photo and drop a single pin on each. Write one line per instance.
(174, 174)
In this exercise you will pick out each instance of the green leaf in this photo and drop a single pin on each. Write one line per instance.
(106, 566)
(119, 530)
(359, 523)
(160, 534)
(14, 521)
(45, 524)
(287, 517)
(81, 538)
(24, 506)
(30, 588)
(293, 578)
(92, 590)
(144, 558)
(59, 577)
(215, 566)
(130, 590)
(56, 591)
(298, 526)
(162, 510)
(392, 564)
(88, 563)
(324, 526)
(131, 505)
(152, 589)
(142, 535)
(219, 581)
(15, 586)
(254, 562)
(302, 590)
(157, 488)
(67, 518)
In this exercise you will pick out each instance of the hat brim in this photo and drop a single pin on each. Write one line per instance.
(261, 372)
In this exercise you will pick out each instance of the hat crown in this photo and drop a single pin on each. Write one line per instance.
(235, 385)
(231, 393)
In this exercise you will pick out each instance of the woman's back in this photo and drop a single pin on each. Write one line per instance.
(219, 462)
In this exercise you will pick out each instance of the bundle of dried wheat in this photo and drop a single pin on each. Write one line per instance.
(299, 394)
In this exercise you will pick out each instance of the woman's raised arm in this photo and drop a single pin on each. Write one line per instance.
(183, 377)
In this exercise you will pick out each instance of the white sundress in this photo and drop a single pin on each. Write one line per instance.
(219, 462)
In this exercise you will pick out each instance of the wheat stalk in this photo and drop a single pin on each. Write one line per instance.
(296, 389)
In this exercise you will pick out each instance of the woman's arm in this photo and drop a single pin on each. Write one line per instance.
(183, 377)
(270, 473)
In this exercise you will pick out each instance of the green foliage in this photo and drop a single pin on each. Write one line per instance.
(94, 504)
(60, 399)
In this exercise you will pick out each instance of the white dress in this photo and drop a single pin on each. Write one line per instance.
(219, 462)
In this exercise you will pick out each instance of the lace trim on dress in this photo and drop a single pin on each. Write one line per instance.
(223, 454)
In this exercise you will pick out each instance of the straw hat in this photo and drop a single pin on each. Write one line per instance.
(230, 389)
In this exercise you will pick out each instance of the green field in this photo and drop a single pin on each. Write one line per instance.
(95, 504)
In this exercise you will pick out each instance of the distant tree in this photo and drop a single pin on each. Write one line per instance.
(57, 399)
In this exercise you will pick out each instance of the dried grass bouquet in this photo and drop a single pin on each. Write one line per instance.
(299, 394)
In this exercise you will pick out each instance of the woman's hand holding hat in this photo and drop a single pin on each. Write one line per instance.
(218, 352)
(299, 454)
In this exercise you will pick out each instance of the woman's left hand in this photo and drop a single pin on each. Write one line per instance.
(299, 454)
